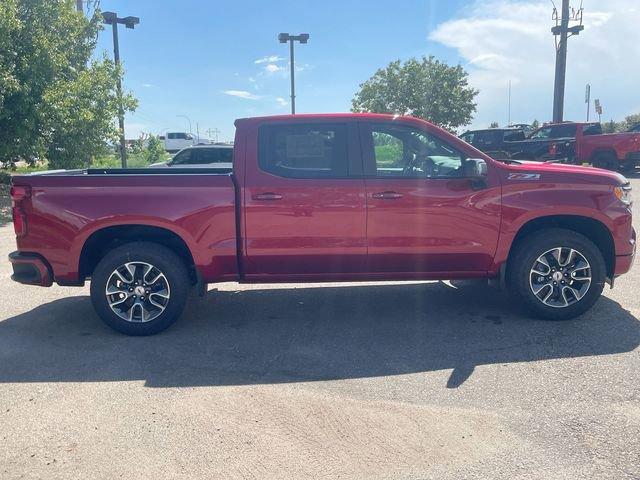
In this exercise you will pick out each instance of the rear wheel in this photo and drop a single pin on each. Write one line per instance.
(606, 160)
(557, 274)
(140, 288)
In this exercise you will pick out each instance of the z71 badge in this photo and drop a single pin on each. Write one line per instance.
(523, 176)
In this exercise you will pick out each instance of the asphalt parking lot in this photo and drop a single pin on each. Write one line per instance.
(396, 381)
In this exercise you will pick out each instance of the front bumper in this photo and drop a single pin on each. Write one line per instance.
(625, 262)
(30, 269)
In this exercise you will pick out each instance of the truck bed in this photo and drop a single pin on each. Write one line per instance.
(65, 208)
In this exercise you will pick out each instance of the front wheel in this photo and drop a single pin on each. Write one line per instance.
(557, 274)
(140, 288)
(606, 161)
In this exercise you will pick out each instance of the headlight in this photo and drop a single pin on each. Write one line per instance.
(624, 194)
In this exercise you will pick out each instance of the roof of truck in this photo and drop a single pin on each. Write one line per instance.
(328, 116)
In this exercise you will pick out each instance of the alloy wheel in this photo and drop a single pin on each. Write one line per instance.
(138, 292)
(560, 277)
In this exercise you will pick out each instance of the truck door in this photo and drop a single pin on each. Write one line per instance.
(304, 201)
(423, 215)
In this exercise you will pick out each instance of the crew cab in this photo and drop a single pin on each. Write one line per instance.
(341, 197)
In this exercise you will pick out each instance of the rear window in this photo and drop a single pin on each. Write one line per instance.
(304, 150)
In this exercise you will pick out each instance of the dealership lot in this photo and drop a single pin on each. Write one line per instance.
(403, 380)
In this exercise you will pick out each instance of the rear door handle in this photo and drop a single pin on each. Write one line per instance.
(387, 195)
(267, 196)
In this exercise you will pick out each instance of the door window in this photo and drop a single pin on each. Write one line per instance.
(403, 151)
(304, 150)
(215, 155)
(183, 157)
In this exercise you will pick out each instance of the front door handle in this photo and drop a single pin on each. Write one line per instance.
(387, 195)
(267, 196)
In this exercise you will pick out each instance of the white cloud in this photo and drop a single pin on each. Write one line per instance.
(273, 68)
(269, 59)
(147, 85)
(281, 101)
(502, 40)
(241, 94)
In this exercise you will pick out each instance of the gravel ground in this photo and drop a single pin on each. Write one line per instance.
(413, 380)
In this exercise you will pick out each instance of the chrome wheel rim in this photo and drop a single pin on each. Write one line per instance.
(138, 292)
(560, 277)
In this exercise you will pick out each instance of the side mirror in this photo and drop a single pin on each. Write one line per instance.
(475, 168)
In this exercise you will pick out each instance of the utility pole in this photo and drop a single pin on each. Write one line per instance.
(563, 30)
(111, 18)
(284, 38)
(213, 133)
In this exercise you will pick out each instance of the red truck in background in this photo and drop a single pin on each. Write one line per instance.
(580, 143)
(325, 198)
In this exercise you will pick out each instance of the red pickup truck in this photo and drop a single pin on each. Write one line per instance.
(325, 198)
(585, 143)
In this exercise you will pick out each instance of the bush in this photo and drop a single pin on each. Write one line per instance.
(155, 150)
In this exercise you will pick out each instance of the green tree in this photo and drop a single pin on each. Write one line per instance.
(610, 127)
(535, 124)
(494, 125)
(155, 151)
(426, 88)
(629, 121)
(55, 102)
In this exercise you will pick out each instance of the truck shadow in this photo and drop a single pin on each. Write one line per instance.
(306, 334)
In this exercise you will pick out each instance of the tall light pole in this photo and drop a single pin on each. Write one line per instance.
(111, 18)
(188, 120)
(284, 38)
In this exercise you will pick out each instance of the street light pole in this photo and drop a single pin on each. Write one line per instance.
(111, 18)
(284, 38)
(188, 120)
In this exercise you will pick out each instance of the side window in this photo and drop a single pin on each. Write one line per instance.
(403, 151)
(593, 129)
(304, 150)
(563, 131)
(215, 155)
(182, 158)
(541, 133)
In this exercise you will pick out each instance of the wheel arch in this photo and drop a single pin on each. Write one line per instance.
(602, 151)
(101, 241)
(593, 229)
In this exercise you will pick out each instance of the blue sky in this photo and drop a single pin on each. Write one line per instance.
(210, 60)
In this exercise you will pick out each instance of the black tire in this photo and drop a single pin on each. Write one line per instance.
(606, 161)
(520, 278)
(160, 315)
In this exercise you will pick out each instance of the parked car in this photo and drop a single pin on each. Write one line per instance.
(198, 156)
(176, 141)
(579, 143)
(325, 198)
(492, 140)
